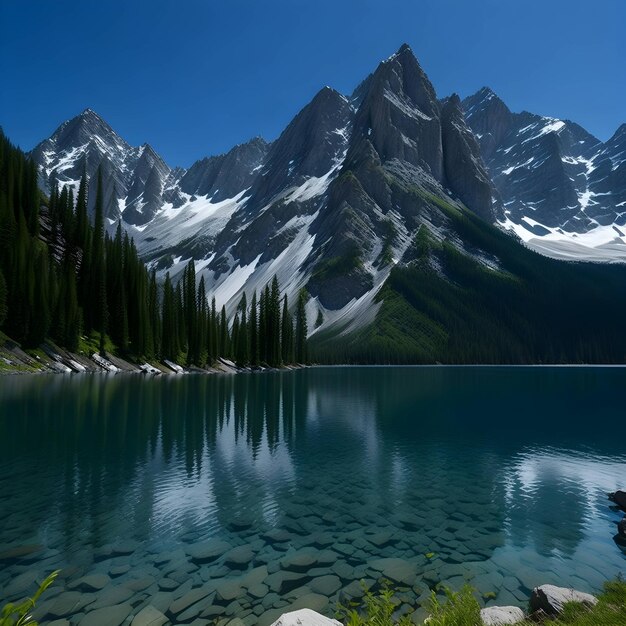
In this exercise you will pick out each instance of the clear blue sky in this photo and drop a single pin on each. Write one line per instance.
(195, 77)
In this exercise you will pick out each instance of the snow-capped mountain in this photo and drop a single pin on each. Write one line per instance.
(559, 184)
(136, 180)
(337, 201)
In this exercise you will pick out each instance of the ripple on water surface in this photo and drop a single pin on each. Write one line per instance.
(209, 496)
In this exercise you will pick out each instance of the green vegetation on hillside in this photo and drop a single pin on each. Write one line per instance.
(447, 306)
(66, 280)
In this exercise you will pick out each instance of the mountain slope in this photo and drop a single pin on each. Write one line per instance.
(338, 203)
(135, 178)
(559, 184)
(444, 306)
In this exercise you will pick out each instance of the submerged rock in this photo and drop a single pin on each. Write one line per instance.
(552, 599)
(207, 551)
(149, 616)
(501, 615)
(397, 570)
(92, 582)
(107, 616)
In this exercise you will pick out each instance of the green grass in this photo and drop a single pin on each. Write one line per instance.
(462, 609)
(88, 344)
(20, 614)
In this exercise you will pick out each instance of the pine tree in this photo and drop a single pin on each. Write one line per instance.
(224, 336)
(99, 312)
(286, 335)
(301, 329)
(190, 304)
(213, 339)
(242, 352)
(262, 334)
(254, 332)
(82, 221)
(153, 312)
(275, 356)
(3, 298)
(169, 338)
(202, 325)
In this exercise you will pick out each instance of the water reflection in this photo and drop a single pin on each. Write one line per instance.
(475, 465)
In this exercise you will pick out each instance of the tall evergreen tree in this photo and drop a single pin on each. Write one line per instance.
(254, 332)
(286, 335)
(153, 312)
(273, 324)
(169, 338)
(301, 329)
(3, 298)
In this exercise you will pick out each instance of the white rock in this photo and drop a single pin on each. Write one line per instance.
(552, 599)
(305, 617)
(501, 615)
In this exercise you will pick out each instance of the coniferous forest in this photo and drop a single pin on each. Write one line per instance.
(63, 278)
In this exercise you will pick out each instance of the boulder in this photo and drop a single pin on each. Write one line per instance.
(621, 528)
(304, 617)
(619, 497)
(552, 599)
(501, 615)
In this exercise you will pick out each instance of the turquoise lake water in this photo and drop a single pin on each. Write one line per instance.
(212, 496)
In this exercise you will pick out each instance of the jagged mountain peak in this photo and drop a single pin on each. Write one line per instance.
(619, 134)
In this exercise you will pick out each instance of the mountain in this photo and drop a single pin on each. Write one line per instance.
(364, 196)
(556, 180)
(137, 180)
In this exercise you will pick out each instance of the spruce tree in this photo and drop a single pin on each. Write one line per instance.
(301, 329)
(275, 356)
(224, 336)
(3, 298)
(202, 325)
(169, 338)
(286, 335)
(99, 312)
(153, 312)
(254, 332)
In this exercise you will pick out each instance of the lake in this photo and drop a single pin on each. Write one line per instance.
(216, 495)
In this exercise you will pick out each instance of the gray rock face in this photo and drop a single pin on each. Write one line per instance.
(226, 175)
(310, 146)
(465, 173)
(86, 143)
(501, 615)
(548, 170)
(399, 114)
(551, 599)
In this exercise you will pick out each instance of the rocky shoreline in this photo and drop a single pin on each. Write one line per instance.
(53, 360)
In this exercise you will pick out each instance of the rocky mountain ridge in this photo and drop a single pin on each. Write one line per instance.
(336, 202)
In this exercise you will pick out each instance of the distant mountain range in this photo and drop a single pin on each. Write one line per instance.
(356, 186)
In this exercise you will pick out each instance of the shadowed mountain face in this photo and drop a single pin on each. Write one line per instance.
(339, 199)
(550, 173)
